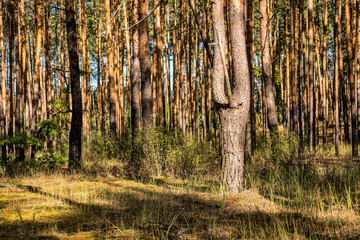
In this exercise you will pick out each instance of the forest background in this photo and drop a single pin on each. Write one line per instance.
(216, 96)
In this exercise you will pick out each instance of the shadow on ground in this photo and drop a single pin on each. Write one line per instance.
(139, 212)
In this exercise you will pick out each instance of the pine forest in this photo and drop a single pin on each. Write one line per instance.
(179, 119)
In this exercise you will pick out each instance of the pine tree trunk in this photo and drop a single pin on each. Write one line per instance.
(110, 67)
(233, 106)
(349, 6)
(250, 46)
(325, 72)
(3, 102)
(25, 70)
(84, 75)
(300, 71)
(98, 42)
(145, 66)
(337, 31)
(160, 65)
(293, 76)
(77, 118)
(208, 85)
(357, 62)
(175, 117)
(12, 33)
(19, 114)
(135, 79)
(37, 70)
(48, 58)
(310, 71)
(169, 103)
(317, 75)
(266, 70)
(128, 52)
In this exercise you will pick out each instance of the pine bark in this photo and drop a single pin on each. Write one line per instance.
(3, 102)
(325, 71)
(37, 71)
(110, 67)
(310, 72)
(250, 47)
(358, 62)
(266, 70)
(135, 79)
(145, 66)
(98, 42)
(19, 107)
(160, 66)
(337, 31)
(84, 66)
(233, 105)
(293, 76)
(76, 95)
(48, 59)
(349, 6)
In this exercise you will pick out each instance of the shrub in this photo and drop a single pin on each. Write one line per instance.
(153, 152)
(161, 152)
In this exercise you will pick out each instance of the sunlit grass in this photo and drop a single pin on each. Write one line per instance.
(279, 204)
(290, 193)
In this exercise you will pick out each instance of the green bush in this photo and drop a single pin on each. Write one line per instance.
(281, 150)
(161, 152)
(153, 152)
(52, 160)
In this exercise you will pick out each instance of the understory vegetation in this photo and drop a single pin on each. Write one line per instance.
(289, 192)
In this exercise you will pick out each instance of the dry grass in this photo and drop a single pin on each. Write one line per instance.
(60, 206)
(294, 195)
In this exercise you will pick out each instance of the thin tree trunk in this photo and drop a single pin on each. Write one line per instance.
(84, 70)
(293, 76)
(181, 69)
(358, 62)
(337, 31)
(317, 75)
(12, 36)
(266, 70)
(145, 66)
(250, 47)
(98, 39)
(37, 70)
(288, 76)
(325, 72)
(175, 119)
(110, 67)
(349, 6)
(135, 79)
(129, 57)
(25, 70)
(160, 66)
(300, 71)
(19, 115)
(310, 71)
(208, 85)
(3, 103)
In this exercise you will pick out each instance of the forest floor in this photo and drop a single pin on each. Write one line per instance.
(58, 206)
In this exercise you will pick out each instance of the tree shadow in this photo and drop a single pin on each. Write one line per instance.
(165, 214)
(207, 186)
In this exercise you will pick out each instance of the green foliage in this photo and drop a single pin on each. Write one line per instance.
(283, 149)
(160, 152)
(52, 160)
(26, 139)
(153, 152)
(50, 128)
